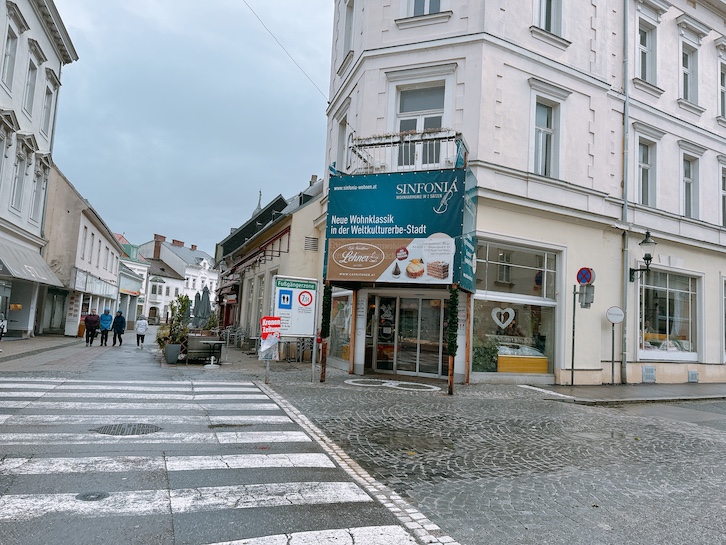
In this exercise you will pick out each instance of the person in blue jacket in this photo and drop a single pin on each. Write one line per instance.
(105, 326)
(118, 326)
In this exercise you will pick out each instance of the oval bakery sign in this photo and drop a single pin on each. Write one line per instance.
(358, 256)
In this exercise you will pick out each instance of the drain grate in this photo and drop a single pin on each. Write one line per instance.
(92, 496)
(127, 429)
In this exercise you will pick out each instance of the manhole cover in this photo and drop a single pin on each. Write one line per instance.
(127, 429)
(92, 496)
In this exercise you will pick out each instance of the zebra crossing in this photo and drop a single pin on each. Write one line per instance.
(177, 462)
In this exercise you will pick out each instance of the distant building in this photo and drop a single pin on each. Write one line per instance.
(139, 267)
(83, 253)
(36, 47)
(282, 238)
(164, 285)
(193, 265)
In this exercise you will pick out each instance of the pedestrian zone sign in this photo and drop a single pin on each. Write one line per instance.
(294, 302)
(269, 337)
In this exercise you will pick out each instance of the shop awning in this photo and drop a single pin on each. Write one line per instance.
(25, 264)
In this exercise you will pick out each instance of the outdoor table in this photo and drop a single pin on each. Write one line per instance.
(213, 344)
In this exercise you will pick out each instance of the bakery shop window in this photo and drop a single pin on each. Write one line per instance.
(517, 270)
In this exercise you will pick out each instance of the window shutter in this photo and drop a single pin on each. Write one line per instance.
(311, 244)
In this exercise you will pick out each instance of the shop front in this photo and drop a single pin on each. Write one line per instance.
(397, 243)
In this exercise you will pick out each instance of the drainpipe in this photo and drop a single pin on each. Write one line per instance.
(626, 169)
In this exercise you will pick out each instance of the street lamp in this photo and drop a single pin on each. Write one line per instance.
(648, 246)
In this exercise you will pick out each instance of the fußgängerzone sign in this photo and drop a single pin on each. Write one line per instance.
(396, 228)
(294, 301)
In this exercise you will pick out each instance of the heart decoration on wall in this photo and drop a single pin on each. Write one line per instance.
(502, 316)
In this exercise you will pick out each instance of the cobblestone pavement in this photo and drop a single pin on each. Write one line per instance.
(505, 465)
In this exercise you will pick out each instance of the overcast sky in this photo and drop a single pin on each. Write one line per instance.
(178, 111)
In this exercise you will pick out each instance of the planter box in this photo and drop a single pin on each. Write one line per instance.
(171, 351)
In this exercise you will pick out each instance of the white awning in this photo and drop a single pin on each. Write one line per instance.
(25, 264)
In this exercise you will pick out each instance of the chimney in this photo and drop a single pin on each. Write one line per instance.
(176, 242)
(313, 179)
(194, 247)
(158, 239)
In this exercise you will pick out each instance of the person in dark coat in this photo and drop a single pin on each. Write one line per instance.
(118, 326)
(92, 322)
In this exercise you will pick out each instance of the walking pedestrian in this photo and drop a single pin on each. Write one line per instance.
(105, 325)
(92, 322)
(118, 326)
(141, 326)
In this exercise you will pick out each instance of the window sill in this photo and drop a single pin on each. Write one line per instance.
(721, 120)
(346, 62)
(549, 38)
(690, 107)
(423, 20)
(648, 87)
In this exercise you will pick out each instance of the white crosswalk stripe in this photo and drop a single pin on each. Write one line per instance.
(201, 446)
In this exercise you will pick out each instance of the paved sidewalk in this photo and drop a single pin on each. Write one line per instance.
(240, 361)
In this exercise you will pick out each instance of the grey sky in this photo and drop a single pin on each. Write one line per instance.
(178, 112)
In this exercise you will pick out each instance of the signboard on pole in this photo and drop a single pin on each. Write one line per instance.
(269, 337)
(295, 304)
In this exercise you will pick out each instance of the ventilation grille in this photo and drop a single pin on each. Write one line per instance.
(692, 376)
(311, 244)
(649, 373)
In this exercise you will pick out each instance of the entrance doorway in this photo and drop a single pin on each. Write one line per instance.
(406, 335)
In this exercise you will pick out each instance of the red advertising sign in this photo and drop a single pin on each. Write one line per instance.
(270, 326)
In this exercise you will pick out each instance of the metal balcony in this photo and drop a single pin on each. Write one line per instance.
(405, 152)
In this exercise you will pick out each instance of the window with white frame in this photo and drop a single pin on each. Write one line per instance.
(9, 56)
(425, 7)
(646, 52)
(29, 96)
(167, 291)
(546, 113)
(106, 256)
(90, 249)
(646, 172)
(47, 110)
(690, 187)
(176, 292)
(549, 16)
(348, 28)
(723, 197)
(98, 256)
(16, 193)
(668, 316)
(40, 182)
(544, 136)
(689, 73)
(342, 148)
(722, 90)
(420, 109)
(84, 239)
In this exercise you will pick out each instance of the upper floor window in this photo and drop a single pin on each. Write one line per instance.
(47, 110)
(646, 52)
(348, 28)
(90, 250)
(167, 291)
(83, 242)
(40, 182)
(549, 16)
(420, 109)
(9, 56)
(646, 172)
(689, 175)
(723, 197)
(544, 135)
(29, 97)
(425, 7)
(689, 73)
(16, 195)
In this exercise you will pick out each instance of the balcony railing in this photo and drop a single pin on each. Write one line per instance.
(408, 151)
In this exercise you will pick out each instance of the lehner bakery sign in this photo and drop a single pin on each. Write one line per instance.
(396, 228)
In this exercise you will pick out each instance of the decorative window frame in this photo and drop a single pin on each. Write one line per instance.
(554, 96)
(651, 136)
(408, 20)
(693, 153)
(692, 32)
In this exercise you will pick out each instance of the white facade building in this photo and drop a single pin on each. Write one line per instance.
(36, 45)
(578, 151)
(195, 266)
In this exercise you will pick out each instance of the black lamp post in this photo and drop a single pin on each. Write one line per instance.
(648, 246)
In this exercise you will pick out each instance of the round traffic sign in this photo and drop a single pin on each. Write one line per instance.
(305, 298)
(585, 276)
(615, 315)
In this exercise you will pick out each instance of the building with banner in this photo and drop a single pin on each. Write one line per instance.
(588, 143)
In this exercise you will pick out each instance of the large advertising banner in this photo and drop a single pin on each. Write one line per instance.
(396, 228)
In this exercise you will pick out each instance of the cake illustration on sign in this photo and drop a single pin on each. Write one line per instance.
(415, 268)
(396, 271)
(438, 269)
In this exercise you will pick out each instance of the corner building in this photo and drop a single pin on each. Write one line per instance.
(578, 128)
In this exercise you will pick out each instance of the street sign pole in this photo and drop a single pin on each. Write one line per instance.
(574, 310)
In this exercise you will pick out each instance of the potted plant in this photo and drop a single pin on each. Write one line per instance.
(178, 327)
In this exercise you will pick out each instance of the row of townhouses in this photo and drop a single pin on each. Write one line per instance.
(561, 164)
(58, 258)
